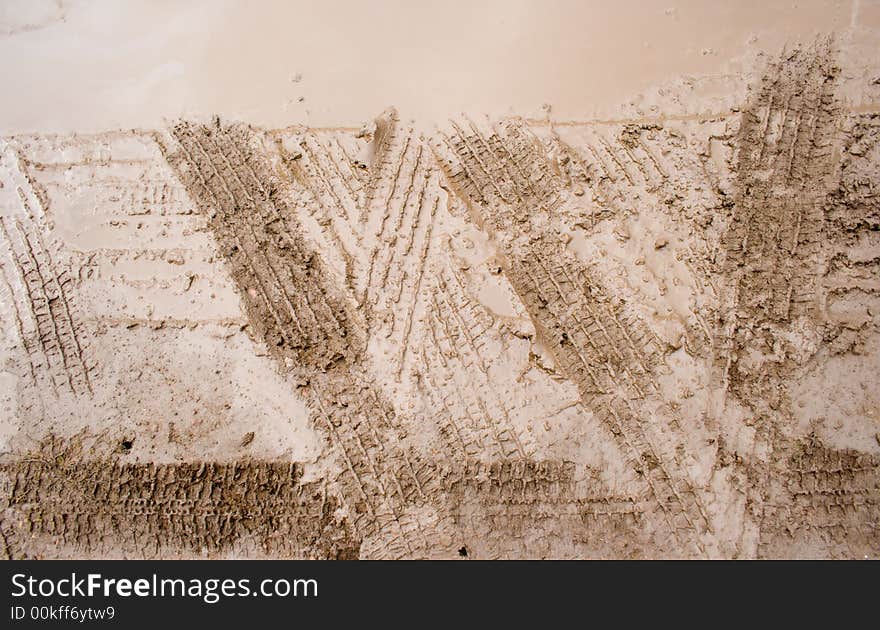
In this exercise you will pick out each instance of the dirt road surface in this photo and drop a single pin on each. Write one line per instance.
(652, 333)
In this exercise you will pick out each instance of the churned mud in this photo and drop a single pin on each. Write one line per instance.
(497, 337)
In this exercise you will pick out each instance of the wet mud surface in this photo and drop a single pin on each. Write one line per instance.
(498, 338)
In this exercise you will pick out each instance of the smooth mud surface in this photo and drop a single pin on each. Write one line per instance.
(617, 327)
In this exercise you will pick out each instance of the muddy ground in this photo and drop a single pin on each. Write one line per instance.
(500, 337)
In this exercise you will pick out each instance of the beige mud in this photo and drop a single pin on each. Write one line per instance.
(654, 335)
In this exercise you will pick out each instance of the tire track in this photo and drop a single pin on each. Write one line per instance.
(108, 508)
(598, 354)
(46, 313)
